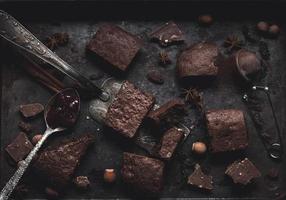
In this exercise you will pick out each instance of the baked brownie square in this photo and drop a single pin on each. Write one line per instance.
(227, 130)
(143, 173)
(169, 143)
(58, 163)
(242, 171)
(129, 107)
(115, 45)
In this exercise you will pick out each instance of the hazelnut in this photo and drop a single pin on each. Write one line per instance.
(82, 182)
(109, 175)
(205, 19)
(36, 138)
(199, 147)
(51, 193)
(262, 27)
(274, 30)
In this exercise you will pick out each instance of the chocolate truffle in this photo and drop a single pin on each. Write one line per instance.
(227, 130)
(115, 45)
(31, 110)
(20, 147)
(200, 180)
(242, 171)
(167, 34)
(169, 143)
(58, 163)
(198, 61)
(143, 173)
(129, 107)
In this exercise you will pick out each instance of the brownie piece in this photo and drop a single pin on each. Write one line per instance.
(167, 112)
(115, 45)
(227, 130)
(242, 171)
(169, 143)
(31, 110)
(200, 180)
(198, 61)
(58, 163)
(20, 147)
(128, 109)
(144, 173)
(167, 34)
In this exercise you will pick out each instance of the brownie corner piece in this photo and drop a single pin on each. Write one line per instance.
(143, 173)
(200, 180)
(115, 45)
(242, 172)
(227, 130)
(128, 109)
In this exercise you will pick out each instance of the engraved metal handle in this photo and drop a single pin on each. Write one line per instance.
(17, 34)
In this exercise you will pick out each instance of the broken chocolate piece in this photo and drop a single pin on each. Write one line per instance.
(20, 147)
(115, 45)
(58, 164)
(242, 171)
(31, 110)
(128, 109)
(26, 127)
(200, 180)
(155, 77)
(142, 172)
(169, 143)
(198, 61)
(227, 130)
(168, 34)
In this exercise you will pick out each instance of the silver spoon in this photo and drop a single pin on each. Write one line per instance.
(11, 184)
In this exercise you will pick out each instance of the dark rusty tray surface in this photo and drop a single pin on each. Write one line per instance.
(81, 22)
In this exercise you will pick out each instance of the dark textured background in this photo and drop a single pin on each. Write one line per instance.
(81, 22)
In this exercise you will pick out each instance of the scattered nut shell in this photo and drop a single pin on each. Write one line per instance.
(109, 175)
(205, 19)
(36, 138)
(51, 193)
(199, 147)
(82, 182)
(262, 27)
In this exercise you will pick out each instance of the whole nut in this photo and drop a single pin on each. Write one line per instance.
(52, 194)
(205, 19)
(199, 147)
(36, 138)
(262, 27)
(82, 182)
(109, 175)
(274, 30)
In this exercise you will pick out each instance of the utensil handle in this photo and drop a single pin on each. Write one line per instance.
(17, 34)
(12, 183)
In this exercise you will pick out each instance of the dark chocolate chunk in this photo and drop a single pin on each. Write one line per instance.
(155, 77)
(115, 45)
(31, 110)
(198, 61)
(242, 171)
(200, 180)
(126, 112)
(26, 127)
(169, 143)
(20, 147)
(168, 34)
(227, 130)
(58, 163)
(142, 172)
(82, 182)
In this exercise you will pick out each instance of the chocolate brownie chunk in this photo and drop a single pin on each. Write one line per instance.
(198, 61)
(200, 180)
(115, 45)
(58, 163)
(128, 109)
(242, 171)
(227, 130)
(169, 143)
(144, 173)
(167, 112)
(20, 147)
(31, 110)
(167, 34)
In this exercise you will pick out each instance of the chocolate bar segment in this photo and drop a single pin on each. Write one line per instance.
(200, 180)
(31, 110)
(115, 45)
(20, 147)
(58, 163)
(169, 143)
(242, 171)
(126, 112)
(143, 173)
(227, 130)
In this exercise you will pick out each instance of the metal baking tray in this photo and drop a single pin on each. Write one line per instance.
(81, 20)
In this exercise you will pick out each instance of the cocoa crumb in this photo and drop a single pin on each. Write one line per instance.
(155, 77)
(26, 127)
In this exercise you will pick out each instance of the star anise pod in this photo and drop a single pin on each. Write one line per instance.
(57, 39)
(164, 58)
(233, 42)
(194, 96)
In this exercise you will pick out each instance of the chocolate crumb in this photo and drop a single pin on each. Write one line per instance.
(26, 127)
(155, 77)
